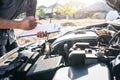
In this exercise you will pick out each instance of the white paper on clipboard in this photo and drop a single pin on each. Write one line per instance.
(50, 28)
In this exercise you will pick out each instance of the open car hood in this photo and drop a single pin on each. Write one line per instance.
(114, 4)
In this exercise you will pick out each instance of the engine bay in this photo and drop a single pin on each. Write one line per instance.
(93, 47)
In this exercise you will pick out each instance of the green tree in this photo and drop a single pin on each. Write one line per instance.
(39, 13)
(66, 10)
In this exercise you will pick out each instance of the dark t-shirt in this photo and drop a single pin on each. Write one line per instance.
(10, 9)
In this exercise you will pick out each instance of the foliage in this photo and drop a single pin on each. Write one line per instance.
(39, 12)
(98, 15)
(66, 10)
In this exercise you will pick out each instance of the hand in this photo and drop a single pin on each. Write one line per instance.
(42, 34)
(28, 23)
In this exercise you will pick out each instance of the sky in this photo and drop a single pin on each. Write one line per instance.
(49, 2)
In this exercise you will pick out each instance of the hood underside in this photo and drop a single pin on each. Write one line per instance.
(114, 4)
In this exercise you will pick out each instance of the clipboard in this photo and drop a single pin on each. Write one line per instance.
(50, 28)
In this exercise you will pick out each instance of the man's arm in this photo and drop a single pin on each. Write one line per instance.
(25, 24)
